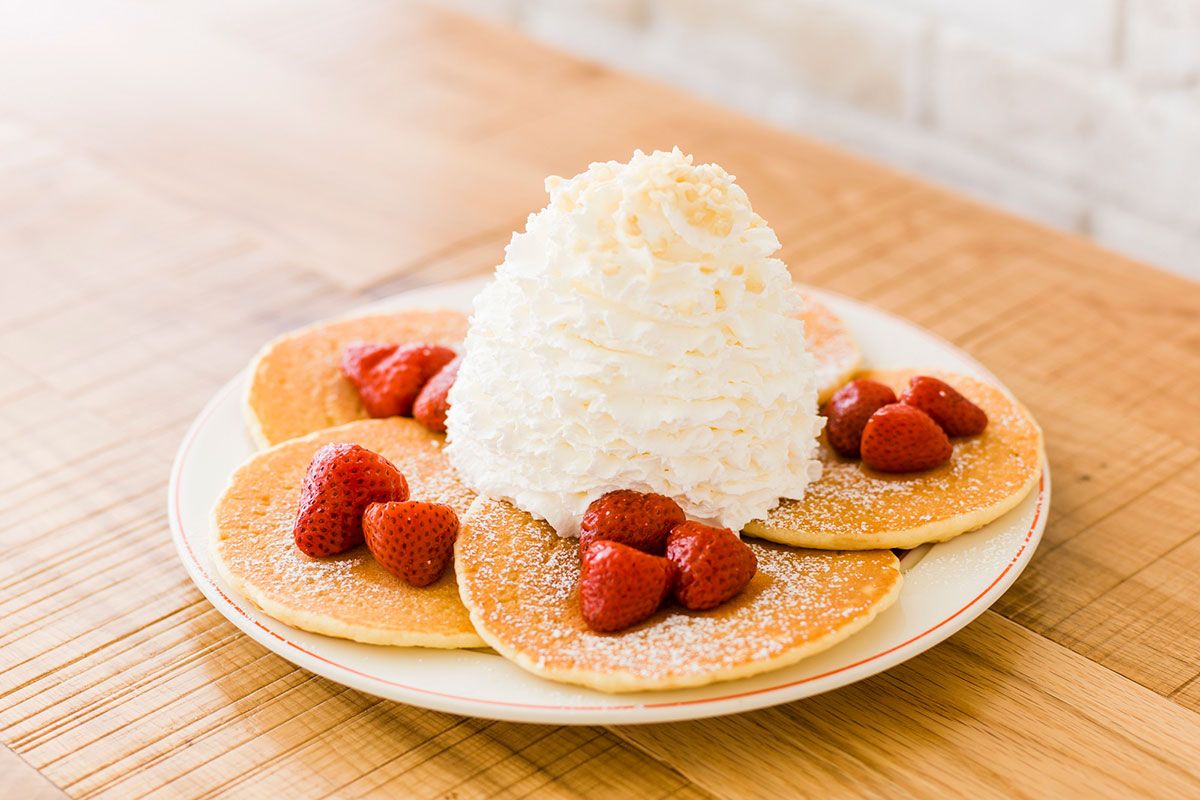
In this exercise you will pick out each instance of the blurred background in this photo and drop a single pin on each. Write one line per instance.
(1081, 114)
(183, 180)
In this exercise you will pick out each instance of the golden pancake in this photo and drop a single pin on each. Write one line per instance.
(296, 384)
(853, 507)
(350, 596)
(519, 579)
(830, 342)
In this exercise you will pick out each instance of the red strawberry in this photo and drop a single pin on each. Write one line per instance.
(412, 540)
(713, 564)
(620, 586)
(359, 358)
(903, 438)
(342, 480)
(640, 520)
(848, 411)
(431, 406)
(390, 376)
(957, 415)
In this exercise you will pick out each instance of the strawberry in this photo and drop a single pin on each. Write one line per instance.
(620, 586)
(849, 409)
(390, 376)
(359, 358)
(903, 438)
(342, 480)
(640, 520)
(432, 405)
(957, 415)
(713, 564)
(412, 540)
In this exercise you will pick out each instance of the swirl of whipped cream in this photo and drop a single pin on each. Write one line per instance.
(638, 335)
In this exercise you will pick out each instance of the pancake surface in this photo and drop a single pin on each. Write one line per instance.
(831, 344)
(519, 580)
(853, 507)
(296, 384)
(350, 596)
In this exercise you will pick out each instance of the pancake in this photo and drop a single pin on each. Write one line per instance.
(831, 344)
(296, 385)
(350, 595)
(853, 507)
(519, 580)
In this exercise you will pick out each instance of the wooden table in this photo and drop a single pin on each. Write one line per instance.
(179, 182)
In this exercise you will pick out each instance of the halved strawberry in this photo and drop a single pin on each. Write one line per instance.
(389, 376)
(641, 520)
(342, 480)
(412, 540)
(903, 438)
(620, 586)
(849, 409)
(713, 564)
(957, 415)
(431, 405)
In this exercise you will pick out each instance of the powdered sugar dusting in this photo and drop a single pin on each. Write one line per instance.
(297, 386)
(830, 343)
(254, 526)
(851, 498)
(522, 580)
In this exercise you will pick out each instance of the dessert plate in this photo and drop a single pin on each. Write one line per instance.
(946, 585)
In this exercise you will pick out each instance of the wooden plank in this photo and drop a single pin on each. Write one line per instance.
(303, 160)
(996, 711)
(1125, 506)
(22, 780)
(119, 679)
(229, 171)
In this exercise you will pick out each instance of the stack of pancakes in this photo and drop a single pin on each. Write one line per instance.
(513, 586)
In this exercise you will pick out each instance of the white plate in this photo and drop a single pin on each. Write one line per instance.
(946, 585)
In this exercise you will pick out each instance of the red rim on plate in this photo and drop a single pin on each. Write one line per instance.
(206, 581)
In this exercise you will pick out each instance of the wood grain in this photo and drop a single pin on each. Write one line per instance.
(180, 182)
(997, 711)
(22, 780)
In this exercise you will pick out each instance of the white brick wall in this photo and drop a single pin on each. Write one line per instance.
(1078, 31)
(1162, 44)
(1083, 114)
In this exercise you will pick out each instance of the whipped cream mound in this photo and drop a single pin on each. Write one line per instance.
(638, 335)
